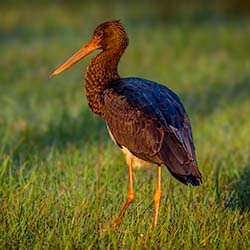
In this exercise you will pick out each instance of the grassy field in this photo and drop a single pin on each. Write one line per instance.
(62, 178)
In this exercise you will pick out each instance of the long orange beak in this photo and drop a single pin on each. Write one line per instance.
(80, 54)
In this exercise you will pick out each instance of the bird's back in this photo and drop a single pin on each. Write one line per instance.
(150, 121)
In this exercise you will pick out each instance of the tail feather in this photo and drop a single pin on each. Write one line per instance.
(194, 179)
(179, 164)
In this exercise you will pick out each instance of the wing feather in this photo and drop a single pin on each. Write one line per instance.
(151, 122)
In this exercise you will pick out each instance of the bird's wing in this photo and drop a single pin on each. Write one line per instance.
(148, 119)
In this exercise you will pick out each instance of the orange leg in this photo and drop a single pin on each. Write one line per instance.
(130, 196)
(157, 196)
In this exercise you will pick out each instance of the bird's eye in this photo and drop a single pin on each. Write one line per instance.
(99, 33)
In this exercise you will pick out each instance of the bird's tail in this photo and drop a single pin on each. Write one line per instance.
(180, 162)
(183, 167)
(195, 177)
(187, 174)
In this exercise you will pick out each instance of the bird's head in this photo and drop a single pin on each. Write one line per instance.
(111, 34)
(107, 36)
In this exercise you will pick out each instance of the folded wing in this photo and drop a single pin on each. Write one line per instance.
(150, 121)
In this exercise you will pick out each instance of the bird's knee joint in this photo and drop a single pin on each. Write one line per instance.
(130, 197)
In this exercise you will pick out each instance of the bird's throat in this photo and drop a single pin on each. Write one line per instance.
(101, 72)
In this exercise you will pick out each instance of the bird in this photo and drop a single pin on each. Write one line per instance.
(145, 119)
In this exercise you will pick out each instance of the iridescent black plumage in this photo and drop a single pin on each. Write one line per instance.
(148, 119)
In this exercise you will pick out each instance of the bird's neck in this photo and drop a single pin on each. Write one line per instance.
(101, 71)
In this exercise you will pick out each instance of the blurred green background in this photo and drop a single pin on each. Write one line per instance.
(61, 176)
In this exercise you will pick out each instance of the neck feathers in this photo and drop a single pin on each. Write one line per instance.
(101, 71)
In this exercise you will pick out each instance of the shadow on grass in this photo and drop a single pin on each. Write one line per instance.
(207, 100)
(240, 192)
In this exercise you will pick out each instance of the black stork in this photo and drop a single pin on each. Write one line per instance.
(145, 119)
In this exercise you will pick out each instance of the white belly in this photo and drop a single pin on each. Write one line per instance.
(130, 158)
(135, 161)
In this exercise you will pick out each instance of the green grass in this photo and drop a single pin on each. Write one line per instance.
(61, 177)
